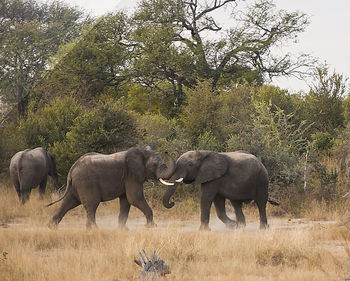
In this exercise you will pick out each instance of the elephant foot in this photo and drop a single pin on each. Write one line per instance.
(122, 227)
(240, 225)
(231, 225)
(151, 224)
(204, 227)
(91, 226)
(52, 225)
(264, 226)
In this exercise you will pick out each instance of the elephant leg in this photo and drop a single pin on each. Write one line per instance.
(124, 211)
(25, 194)
(90, 208)
(136, 197)
(17, 187)
(219, 203)
(207, 196)
(146, 209)
(42, 187)
(237, 205)
(262, 212)
(68, 203)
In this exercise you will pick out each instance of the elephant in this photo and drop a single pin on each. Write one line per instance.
(238, 176)
(30, 168)
(96, 178)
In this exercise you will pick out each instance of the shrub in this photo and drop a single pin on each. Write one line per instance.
(162, 134)
(206, 116)
(274, 139)
(51, 123)
(107, 128)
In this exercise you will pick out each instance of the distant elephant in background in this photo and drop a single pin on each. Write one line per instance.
(30, 168)
(238, 176)
(96, 178)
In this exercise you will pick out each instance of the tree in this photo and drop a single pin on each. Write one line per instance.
(207, 116)
(30, 34)
(324, 102)
(273, 137)
(107, 128)
(179, 41)
(95, 63)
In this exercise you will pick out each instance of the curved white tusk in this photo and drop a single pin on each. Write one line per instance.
(179, 180)
(165, 182)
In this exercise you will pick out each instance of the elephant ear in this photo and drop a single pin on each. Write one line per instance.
(214, 165)
(135, 162)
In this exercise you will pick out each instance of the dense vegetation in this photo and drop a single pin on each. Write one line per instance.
(170, 76)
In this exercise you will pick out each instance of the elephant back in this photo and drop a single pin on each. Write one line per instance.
(250, 165)
(33, 166)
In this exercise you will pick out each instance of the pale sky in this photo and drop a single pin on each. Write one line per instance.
(327, 37)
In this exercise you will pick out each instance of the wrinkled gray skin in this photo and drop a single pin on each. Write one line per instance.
(96, 178)
(238, 176)
(30, 168)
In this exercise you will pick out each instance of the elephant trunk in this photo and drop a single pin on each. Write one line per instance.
(167, 195)
(165, 172)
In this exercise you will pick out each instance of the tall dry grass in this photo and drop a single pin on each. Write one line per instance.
(71, 255)
(30, 251)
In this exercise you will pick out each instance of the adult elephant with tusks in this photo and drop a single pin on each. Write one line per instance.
(96, 178)
(30, 168)
(238, 176)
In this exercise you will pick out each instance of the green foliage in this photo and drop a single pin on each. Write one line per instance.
(107, 128)
(50, 124)
(94, 63)
(162, 134)
(173, 43)
(346, 108)
(323, 104)
(323, 141)
(206, 117)
(30, 34)
(273, 138)
(11, 141)
(278, 98)
(146, 100)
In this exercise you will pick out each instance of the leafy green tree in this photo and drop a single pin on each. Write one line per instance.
(206, 117)
(162, 134)
(30, 33)
(276, 140)
(277, 97)
(179, 41)
(50, 124)
(346, 107)
(107, 128)
(324, 101)
(95, 64)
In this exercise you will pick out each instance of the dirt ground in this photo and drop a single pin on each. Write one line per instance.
(137, 222)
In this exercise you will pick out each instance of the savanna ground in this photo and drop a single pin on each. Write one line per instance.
(291, 249)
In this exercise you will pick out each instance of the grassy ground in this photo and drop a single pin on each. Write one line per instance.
(30, 251)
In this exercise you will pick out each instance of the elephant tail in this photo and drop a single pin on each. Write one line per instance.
(69, 183)
(273, 202)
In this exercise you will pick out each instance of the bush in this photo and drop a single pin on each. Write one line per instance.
(11, 141)
(51, 123)
(162, 134)
(107, 128)
(322, 141)
(274, 139)
(206, 117)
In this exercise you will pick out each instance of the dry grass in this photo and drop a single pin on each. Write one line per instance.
(70, 253)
